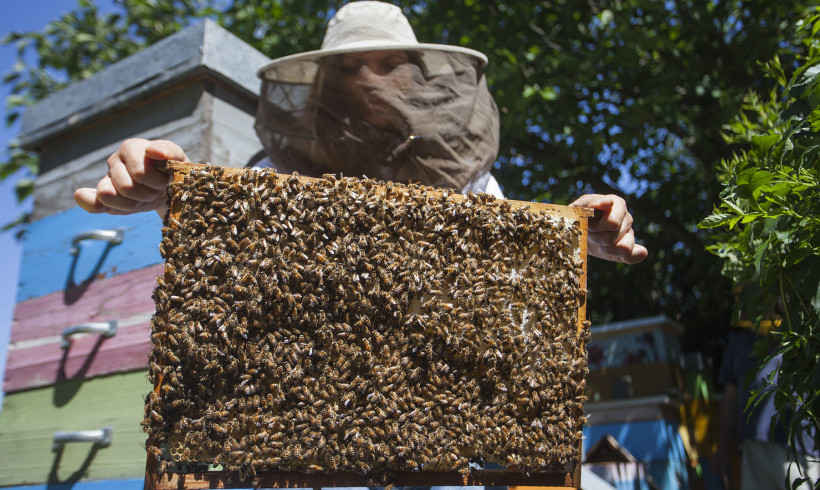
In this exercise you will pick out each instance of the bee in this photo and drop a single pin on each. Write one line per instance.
(155, 416)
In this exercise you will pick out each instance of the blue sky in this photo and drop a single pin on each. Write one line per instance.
(19, 16)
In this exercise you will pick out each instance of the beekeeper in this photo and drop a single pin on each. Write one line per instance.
(373, 102)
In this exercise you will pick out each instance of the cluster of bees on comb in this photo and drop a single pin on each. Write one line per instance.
(347, 325)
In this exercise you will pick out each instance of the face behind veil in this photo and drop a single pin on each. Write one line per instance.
(406, 116)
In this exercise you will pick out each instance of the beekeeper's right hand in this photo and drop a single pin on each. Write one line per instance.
(132, 184)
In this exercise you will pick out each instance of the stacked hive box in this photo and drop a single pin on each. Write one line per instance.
(98, 271)
(343, 326)
(635, 387)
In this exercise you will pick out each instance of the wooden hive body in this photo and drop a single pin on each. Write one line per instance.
(337, 332)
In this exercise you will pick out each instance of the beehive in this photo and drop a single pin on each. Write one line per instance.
(345, 326)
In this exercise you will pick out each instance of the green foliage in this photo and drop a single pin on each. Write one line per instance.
(279, 27)
(767, 223)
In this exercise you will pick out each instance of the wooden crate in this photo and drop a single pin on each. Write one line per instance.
(436, 330)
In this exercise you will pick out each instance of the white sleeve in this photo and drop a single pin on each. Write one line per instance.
(484, 183)
(493, 187)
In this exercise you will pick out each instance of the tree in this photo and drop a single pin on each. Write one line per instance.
(767, 230)
(620, 97)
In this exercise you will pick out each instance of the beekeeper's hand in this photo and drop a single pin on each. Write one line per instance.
(132, 184)
(611, 236)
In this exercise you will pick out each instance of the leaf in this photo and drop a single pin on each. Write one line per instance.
(606, 17)
(82, 38)
(8, 169)
(750, 217)
(731, 204)
(759, 256)
(754, 178)
(22, 219)
(810, 75)
(796, 110)
(548, 93)
(785, 237)
(529, 91)
(715, 220)
(795, 256)
(764, 143)
(23, 189)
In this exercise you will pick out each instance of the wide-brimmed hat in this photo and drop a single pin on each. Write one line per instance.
(361, 26)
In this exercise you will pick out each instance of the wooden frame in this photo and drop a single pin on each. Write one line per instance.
(565, 478)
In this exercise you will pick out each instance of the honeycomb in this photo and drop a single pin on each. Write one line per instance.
(348, 325)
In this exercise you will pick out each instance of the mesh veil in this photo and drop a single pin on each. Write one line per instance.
(422, 116)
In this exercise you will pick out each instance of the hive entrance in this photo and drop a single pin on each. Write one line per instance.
(323, 331)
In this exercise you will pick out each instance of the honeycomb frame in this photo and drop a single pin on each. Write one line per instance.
(448, 466)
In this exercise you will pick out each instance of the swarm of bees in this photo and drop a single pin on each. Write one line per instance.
(347, 325)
